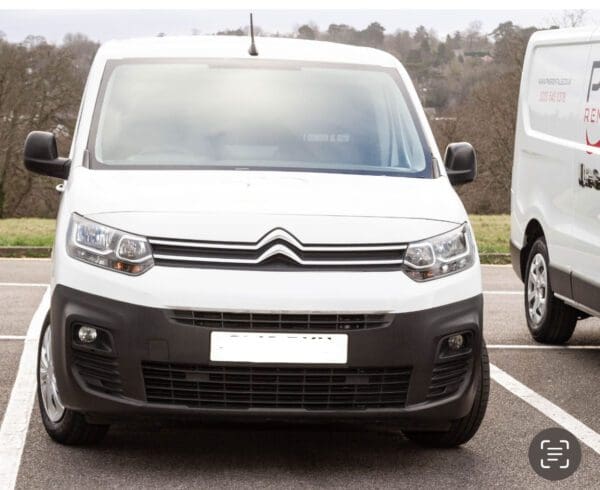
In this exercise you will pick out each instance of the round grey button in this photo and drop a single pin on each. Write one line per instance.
(555, 454)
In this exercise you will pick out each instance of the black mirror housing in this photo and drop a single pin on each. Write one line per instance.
(461, 163)
(41, 156)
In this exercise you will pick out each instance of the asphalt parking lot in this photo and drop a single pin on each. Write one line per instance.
(530, 383)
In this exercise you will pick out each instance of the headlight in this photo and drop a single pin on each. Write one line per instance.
(106, 247)
(440, 255)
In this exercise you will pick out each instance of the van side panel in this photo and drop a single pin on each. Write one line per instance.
(545, 140)
(586, 177)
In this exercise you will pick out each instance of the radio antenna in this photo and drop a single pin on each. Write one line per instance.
(252, 51)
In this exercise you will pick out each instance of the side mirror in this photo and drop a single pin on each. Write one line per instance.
(41, 155)
(461, 163)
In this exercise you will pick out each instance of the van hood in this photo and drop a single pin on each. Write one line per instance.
(245, 205)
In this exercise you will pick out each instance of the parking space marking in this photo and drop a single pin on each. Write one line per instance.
(12, 337)
(586, 435)
(15, 424)
(23, 285)
(543, 347)
(509, 293)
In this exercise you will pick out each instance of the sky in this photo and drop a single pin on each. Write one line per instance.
(103, 25)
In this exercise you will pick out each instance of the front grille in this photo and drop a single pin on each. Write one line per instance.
(280, 321)
(447, 376)
(100, 372)
(277, 250)
(243, 387)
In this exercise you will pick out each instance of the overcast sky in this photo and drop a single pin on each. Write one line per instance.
(103, 25)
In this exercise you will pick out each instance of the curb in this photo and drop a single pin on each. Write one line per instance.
(23, 252)
(494, 258)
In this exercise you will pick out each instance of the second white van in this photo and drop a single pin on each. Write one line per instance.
(555, 204)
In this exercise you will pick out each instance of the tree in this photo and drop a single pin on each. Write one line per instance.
(570, 18)
(444, 54)
(510, 44)
(234, 32)
(472, 34)
(400, 44)
(342, 33)
(306, 32)
(373, 35)
(40, 89)
(421, 34)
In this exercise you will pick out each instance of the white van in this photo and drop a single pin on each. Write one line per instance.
(268, 235)
(555, 205)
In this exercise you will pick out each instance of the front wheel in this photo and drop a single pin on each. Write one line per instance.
(463, 429)
(549, 319)
(63, 425)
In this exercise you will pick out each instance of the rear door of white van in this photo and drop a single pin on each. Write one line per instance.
(586, 216)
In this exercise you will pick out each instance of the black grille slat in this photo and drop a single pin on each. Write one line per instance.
(267, 383)
(181, 250)
(290, 253)
(274, 387)
(100, 372)
(447, 376)
(277, 321)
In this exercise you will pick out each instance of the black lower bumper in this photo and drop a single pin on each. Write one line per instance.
(145, 363)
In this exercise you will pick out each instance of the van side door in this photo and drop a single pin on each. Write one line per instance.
(585, 278)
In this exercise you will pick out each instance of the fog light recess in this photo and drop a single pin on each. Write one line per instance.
(87, 334)
(456, 342)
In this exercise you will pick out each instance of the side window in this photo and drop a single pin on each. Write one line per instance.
(556, 84)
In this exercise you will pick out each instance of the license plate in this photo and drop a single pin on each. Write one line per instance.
(278, 347)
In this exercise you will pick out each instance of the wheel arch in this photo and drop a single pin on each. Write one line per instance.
(533, 231)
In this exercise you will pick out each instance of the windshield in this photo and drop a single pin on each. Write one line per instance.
(257, 115)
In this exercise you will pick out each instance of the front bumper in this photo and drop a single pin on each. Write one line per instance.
(113, 383)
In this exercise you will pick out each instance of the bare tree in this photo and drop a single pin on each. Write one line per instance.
(570, 18)
(40, 88)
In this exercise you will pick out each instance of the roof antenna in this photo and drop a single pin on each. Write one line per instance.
(252, 51)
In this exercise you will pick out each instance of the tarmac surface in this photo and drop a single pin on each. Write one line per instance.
(154, 454)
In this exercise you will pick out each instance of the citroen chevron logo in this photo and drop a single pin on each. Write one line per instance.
(279, 235)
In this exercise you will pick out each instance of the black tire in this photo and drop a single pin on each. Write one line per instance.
(559, 319)
(463, 429)
(72, 429)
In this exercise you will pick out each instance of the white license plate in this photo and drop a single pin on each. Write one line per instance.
(279, 347)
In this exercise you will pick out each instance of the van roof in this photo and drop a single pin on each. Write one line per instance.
(237, 47)
(571, 34)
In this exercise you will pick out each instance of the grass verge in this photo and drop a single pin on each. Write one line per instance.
(492, 232)
(27, 232)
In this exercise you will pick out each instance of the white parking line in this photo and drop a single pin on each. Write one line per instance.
(543, 347)
(509, 293)
(12, 337)
(23, 284)
(15, 424)
(586, 435)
